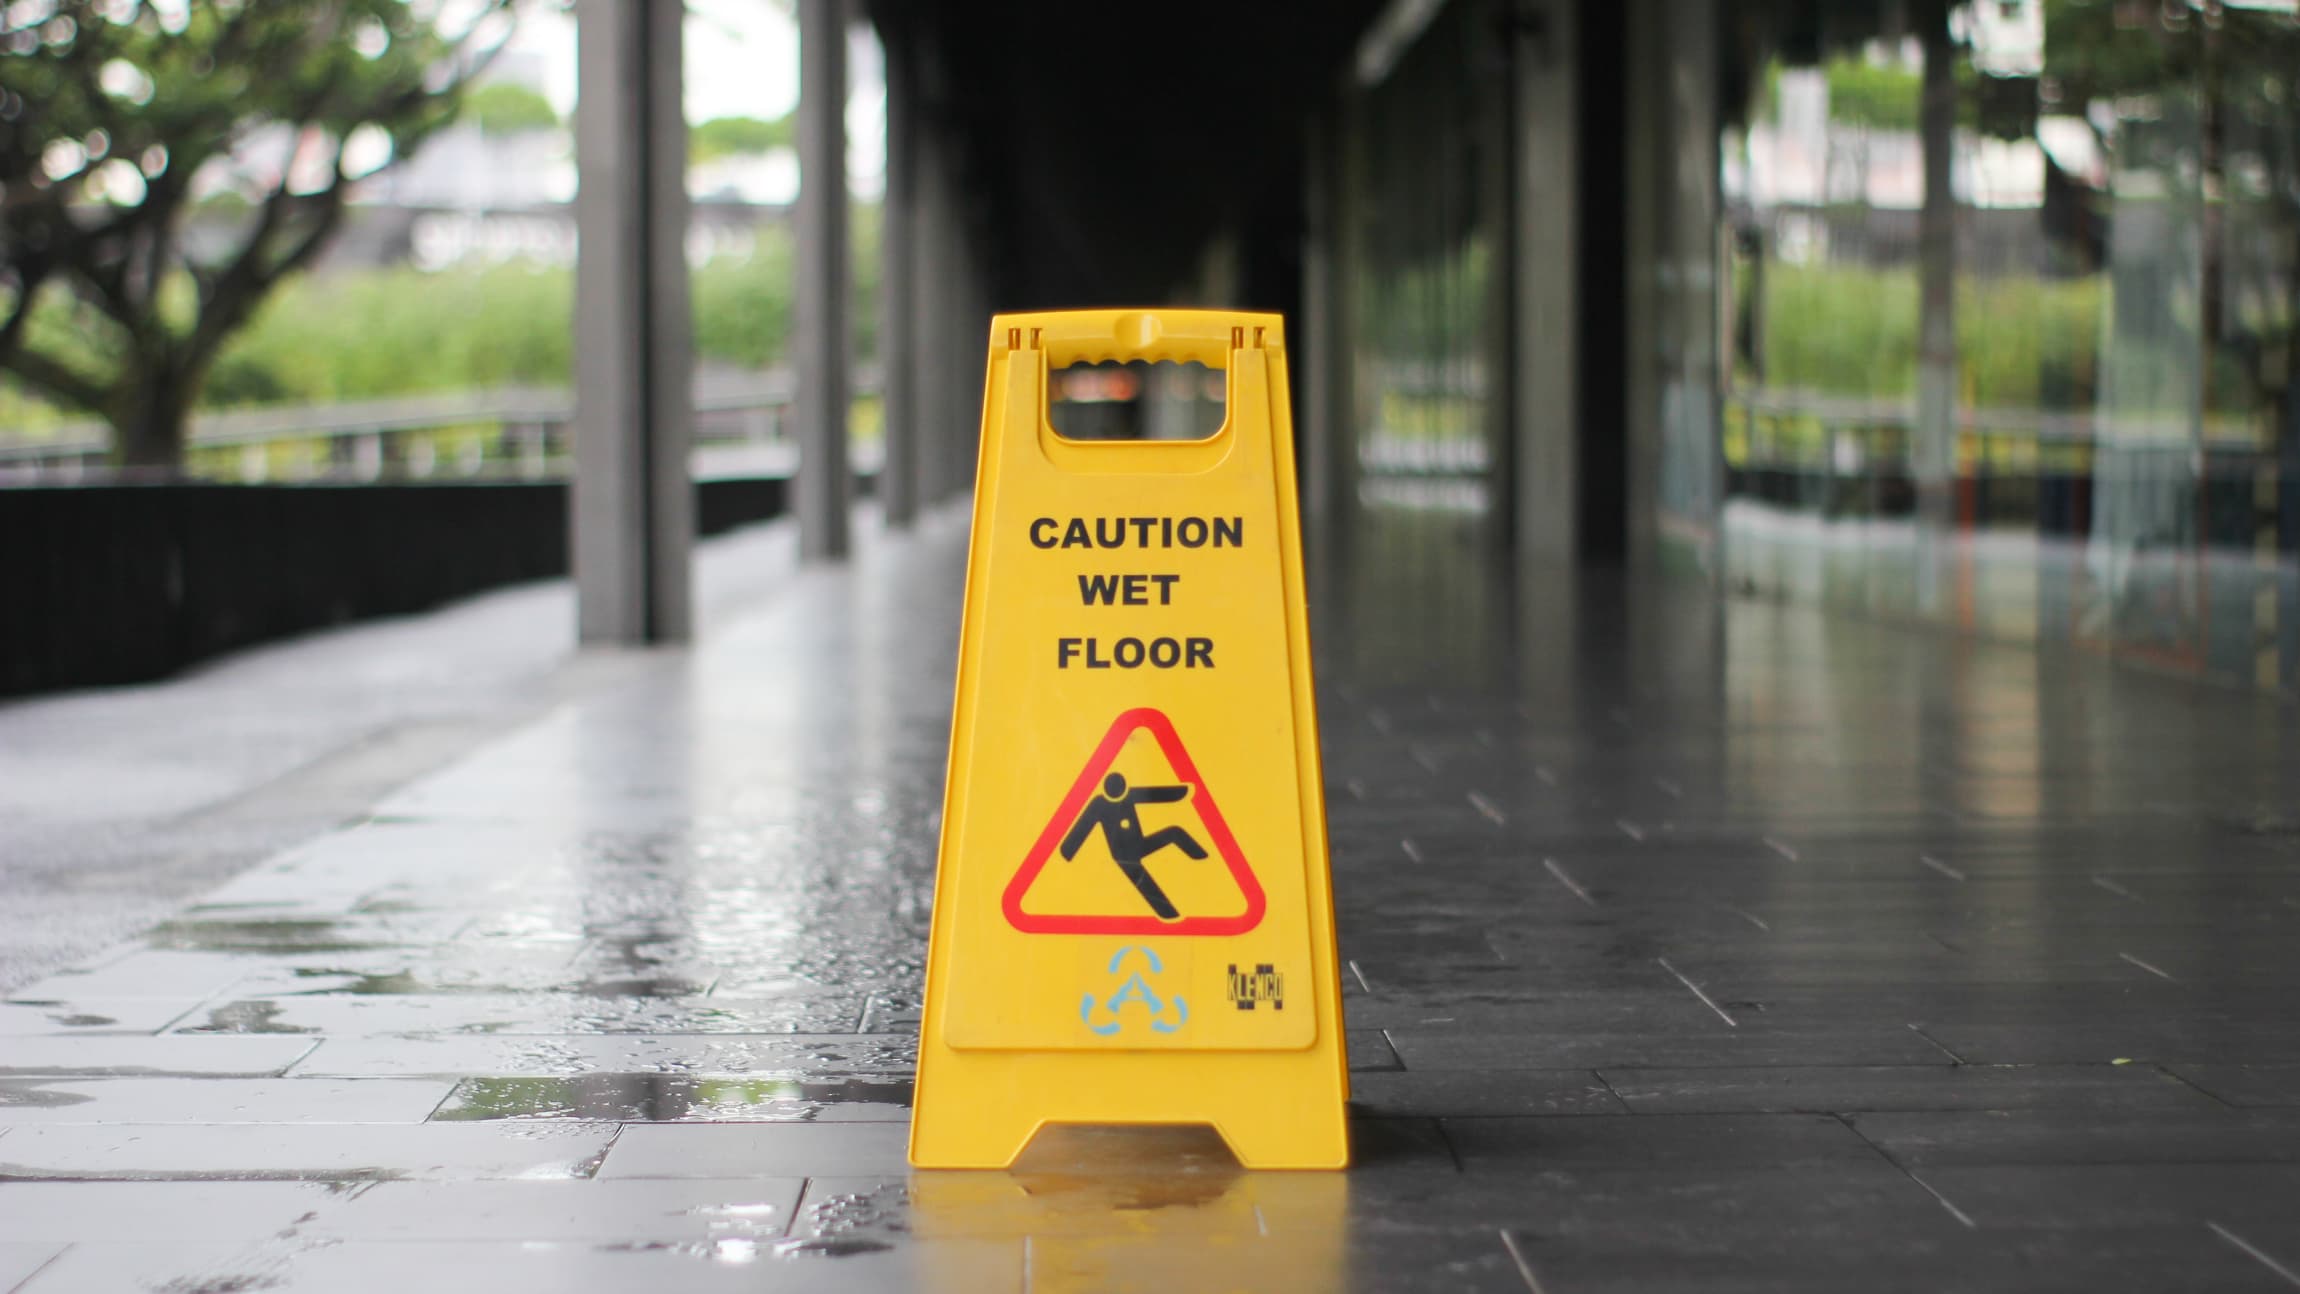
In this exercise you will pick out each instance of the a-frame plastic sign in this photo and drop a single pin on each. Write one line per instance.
(1133, 920)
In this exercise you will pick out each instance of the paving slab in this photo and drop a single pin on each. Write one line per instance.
(2085, 1137)
(218, 1100)
(2080, 1262)
(681, 1098)
(82, 1016)
(126, 1212)
(764, 1149)
(1846, 1088)
(1714, 1044)
(303, 1151)
(2241, 1196)
(19, 1259)
(505, 1015)
(2245, 1084)
(138, 971)
(469, 1267)
(93, 1055)
(754, 1208)
(1586, 1141)
(544, 1055)
(1470, 1093)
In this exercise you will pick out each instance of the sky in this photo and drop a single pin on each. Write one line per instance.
(742, 61)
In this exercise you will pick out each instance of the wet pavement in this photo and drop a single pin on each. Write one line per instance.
(1687, 946)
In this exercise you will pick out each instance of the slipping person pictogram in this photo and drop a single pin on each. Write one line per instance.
(1114, 812)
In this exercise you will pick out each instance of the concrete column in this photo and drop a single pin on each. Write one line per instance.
(633, 502)
(1319, 339)
(898, 477)
(1933, 449)
(820, 347)
(1328, 434)
(1693, 297)
(969, 349)
(1643, 127)
(1544, 239)
(930, 329)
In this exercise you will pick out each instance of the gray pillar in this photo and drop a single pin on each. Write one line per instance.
(1328, 435)
(898, 474)
(934, 306)
(1545, 245)
(633, 504)
(1693, 241)
(1933, 451)
(925, 328)
(819, 348)
(969, 354)
(1644, 127)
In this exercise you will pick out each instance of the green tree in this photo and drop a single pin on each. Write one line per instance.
(736, 136)
(115, 113)
(508, 108)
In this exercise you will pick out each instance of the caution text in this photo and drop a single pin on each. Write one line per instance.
(1138, 532)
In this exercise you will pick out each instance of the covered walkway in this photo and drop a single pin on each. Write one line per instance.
(1688, 945)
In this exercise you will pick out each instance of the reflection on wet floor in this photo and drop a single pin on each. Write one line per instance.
(667, 1098)
(1687, 945)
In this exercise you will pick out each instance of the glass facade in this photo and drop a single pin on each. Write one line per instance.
(1425, 188)
(1428, 185)
(2006, 335)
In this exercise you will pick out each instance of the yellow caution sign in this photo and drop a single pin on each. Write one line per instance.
(1133, 920)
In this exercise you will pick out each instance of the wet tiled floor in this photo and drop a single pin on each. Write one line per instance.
(1687, 946)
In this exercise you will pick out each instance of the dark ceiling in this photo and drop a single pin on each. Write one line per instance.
(1105, 145)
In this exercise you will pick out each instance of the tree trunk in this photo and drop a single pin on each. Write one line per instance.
(149, 426)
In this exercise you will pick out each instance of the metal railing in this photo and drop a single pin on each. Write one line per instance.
(507, 432)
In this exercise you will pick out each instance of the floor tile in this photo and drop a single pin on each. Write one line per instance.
(1615, 1141)
(172, 1211)
(1914, 1087)
(2246, 1084)
(2066, 1137)
(2118, 1195)
(20, 1258)
(2071, 1262)
(141, 973)
(81, 1016)
(1720, 1045)
(761, 1149)
(543, 1055)
(680, 1098)
(313, 1152)
(597, 1212)
(1683, 1202)
(1470, 1093)
(218, 1100)
(498, 1015)
(93, 1055)
(469, 1267)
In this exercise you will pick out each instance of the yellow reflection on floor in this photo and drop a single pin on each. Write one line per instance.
(1150, 1208)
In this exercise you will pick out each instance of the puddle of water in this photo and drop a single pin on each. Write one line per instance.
(281, 936)
(36, 1094)
(666, 1098)
(247, 1017)
(832, 1247)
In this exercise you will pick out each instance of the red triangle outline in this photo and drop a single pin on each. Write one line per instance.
(1201, 799)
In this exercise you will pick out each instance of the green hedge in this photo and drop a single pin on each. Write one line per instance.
(2020, 342)
(370, 334)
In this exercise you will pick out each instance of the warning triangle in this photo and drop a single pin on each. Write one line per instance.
(1134, 848)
